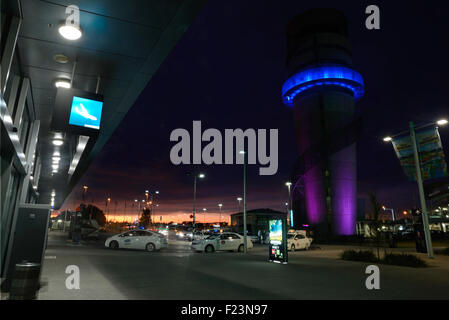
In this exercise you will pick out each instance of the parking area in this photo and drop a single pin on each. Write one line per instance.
(179, 273)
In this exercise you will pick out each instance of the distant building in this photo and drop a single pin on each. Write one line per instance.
(256, 219)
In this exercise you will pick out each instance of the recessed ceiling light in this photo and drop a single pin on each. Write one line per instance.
(58, 142)
(56, 158)
(70, 32)
(55, 166)
(56, 153)
(60, 58)
(63, 83)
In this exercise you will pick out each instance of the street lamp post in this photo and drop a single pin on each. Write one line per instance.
(419, 181)
(239, 199)
(84, 193)
(392, 212)
(204, 216)
(220, 205)
(201, 175)
(290, 215)
(245, 245)
(425, 219)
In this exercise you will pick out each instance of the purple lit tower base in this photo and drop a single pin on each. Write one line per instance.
(321, 88)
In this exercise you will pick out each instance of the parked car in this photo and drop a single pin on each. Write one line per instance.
(137, 239)
(202, 235)
(252, 237)
(227, 241)
(184, 234)
(297, 241)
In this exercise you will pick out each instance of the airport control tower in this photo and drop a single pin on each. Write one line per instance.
(322, 87)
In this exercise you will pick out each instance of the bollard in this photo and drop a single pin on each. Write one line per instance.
(25, 281)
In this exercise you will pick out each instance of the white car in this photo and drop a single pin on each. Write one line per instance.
(296, 241)
(227, 241)
(137, 239)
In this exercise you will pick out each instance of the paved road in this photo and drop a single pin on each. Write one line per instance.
(178, 273)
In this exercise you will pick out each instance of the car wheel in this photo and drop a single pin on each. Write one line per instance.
(308, 247)
(293, 248)
(241, 248)
(209, 249)
(150, 247)
(113, 245)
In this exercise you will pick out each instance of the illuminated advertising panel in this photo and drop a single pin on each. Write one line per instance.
(278, 241)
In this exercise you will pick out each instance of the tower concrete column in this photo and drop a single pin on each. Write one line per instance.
(321, 88)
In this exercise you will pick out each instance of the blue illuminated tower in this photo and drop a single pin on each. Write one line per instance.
(321, 88)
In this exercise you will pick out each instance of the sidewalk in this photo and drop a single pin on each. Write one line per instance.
(334, 251)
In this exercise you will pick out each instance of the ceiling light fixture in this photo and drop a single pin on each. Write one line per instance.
(61, 58)
(63, 83)
(58, 142)
(70, 32)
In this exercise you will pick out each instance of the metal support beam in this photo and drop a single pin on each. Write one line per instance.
(21, 103)
(32, 142)
(37, 172)
(13, 94)
(98, 85)
(8, 52)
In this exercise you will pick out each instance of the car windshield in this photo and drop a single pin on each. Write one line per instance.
(290, 236)
(212, 236)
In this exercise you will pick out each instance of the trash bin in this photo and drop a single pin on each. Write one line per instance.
(25, 281)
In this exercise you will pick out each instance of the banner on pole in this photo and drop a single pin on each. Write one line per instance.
(431, 155)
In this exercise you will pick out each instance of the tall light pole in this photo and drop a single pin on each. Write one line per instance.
(289, 185)
(204, 216)
(220, 205)
(392, 212)
(138, 210)
(245, 245)
(107, 205)
(153, 206)
(84, 193)
(201, 176)
(421, 193)
(239, 199)
(419, 181)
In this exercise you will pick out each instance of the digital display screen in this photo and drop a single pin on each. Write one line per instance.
(86, 113)
(276, 232)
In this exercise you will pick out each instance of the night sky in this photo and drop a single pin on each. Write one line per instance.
(228, 70)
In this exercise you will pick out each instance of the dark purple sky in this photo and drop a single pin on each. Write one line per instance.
(228, 70)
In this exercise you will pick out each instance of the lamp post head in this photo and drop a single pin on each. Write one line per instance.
(239, 199)
(288, 184)
(201, 175)
(442, 122)
(387, 139)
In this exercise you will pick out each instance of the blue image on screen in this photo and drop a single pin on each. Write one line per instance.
(86, 113)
